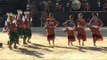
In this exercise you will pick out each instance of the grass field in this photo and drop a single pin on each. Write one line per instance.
(39, 49)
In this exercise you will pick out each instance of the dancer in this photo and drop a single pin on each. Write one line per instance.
(70, 28)
(81, 34)
(11, 28)
(19, 24)
(27, 29)
(95, 24)
(51, 24)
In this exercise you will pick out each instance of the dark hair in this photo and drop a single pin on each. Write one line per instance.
(80, 14)
(94, 14)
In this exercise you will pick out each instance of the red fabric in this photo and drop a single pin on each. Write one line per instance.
(24, 24)
(96, 22)
(50, 31)
(81, 34)
(27, 22)
(95, 31)
(81, 31)
(81, 22)
(70, 33)
(50, 27)
(51, 22)
(19, 23)
(50, 37)
(12, 27)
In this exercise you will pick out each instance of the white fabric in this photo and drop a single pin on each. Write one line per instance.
(6, 23)
(23, 19)
(8, 19)
(4, 29)
(70, 28)
(95, 26)
(30, 19)
(14, 21)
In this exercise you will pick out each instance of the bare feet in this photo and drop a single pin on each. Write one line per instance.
(29, 41)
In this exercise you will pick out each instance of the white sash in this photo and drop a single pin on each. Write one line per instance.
(70, 28)
(95, 26)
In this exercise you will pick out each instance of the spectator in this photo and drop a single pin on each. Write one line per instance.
(51, 6)
(46, 6)
(59, 7)
(105, 6)
(99, 5)
(68, 6)
(86, 6)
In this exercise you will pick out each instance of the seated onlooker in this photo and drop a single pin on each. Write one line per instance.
(105, 6)
(59, 7)
(87, 6)
(68, 6)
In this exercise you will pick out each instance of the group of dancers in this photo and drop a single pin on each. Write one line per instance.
(18, 26)
(77, 27)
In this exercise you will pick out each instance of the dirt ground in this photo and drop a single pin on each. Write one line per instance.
(39, 49)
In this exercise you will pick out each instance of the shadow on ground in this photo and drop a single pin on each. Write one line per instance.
(47, 49)
(35, 50)
(85, 49)
(29, 52)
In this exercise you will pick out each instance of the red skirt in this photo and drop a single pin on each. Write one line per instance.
(81, 34)
(50, 34)
(71, 37)
(50, 37)
(96, 34)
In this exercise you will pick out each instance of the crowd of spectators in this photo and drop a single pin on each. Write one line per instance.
(66, 5)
